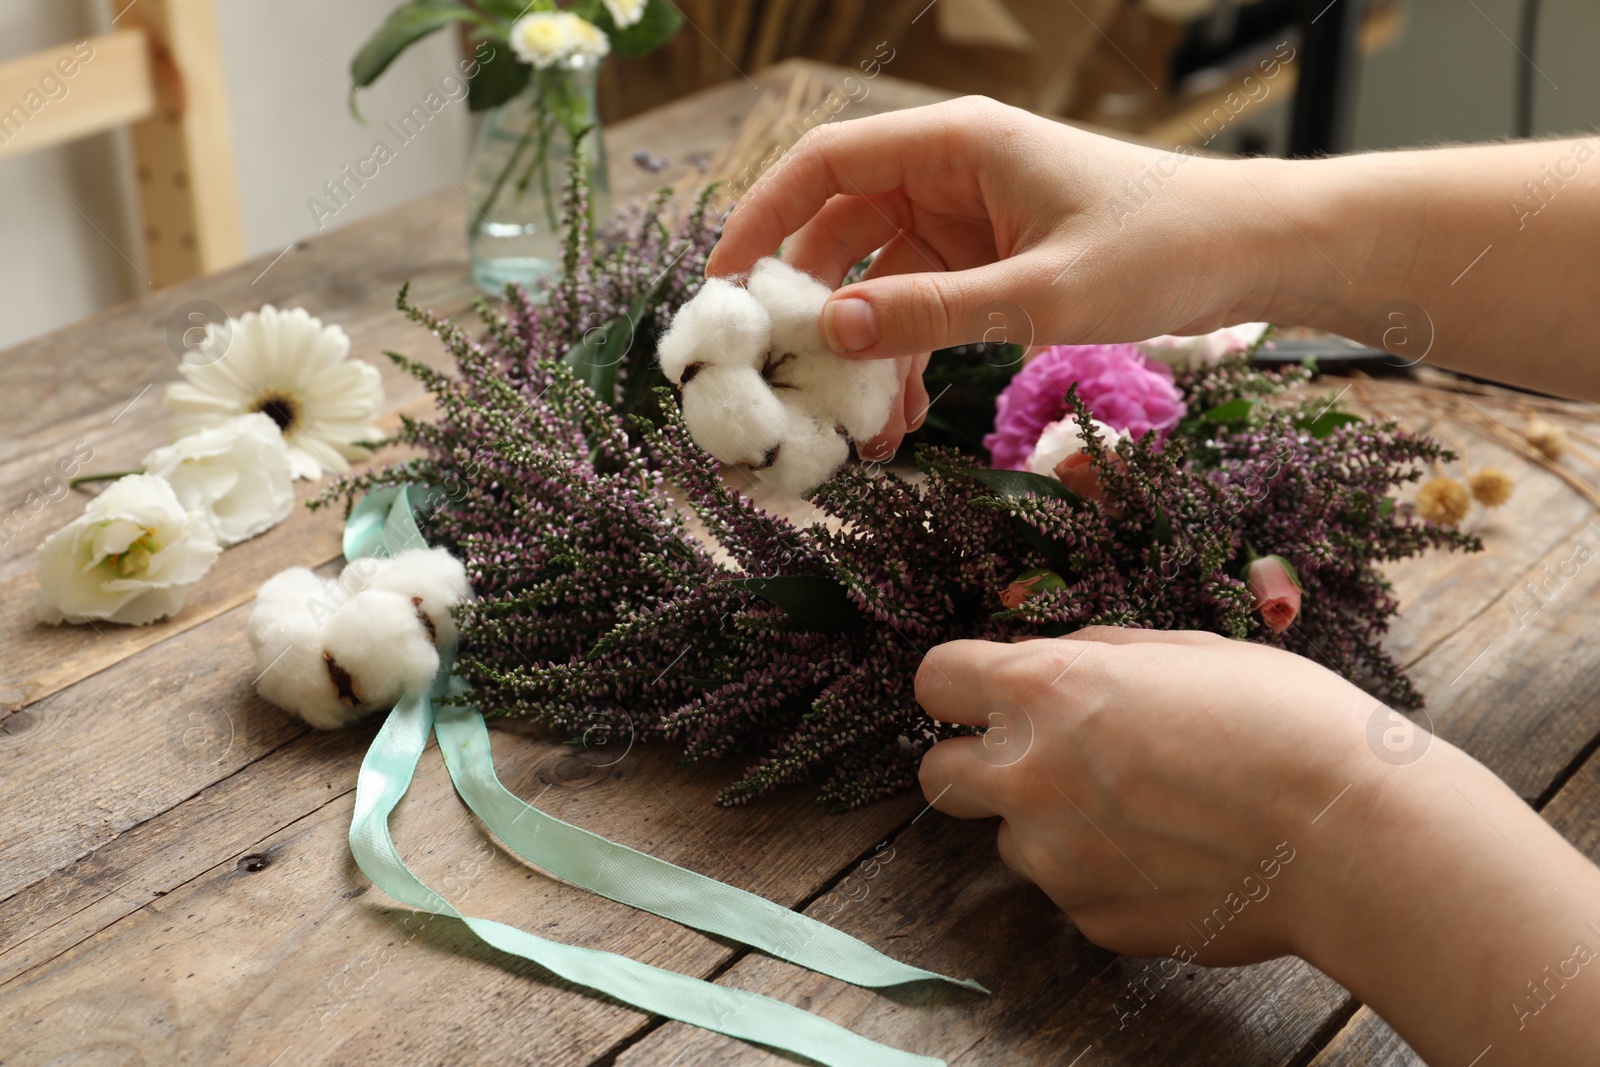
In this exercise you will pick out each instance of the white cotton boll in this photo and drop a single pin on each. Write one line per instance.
(377, 650)
(732, 414)
(432, 578)
(794, 300)
(809, 455)
(285, 634)
(854, 393)
(722, 326)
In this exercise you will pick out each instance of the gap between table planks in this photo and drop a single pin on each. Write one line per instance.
(132, 927)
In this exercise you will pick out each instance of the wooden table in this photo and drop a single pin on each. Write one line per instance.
(173, 865)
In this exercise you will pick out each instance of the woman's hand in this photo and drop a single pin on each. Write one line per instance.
(993, 225)
(1187, 796)
(1148, 778)
(996, 224)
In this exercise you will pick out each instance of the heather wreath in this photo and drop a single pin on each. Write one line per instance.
(571, 480)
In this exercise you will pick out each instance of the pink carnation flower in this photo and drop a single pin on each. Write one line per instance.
(1118, 384)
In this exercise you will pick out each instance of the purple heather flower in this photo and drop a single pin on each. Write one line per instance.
(1121, 386)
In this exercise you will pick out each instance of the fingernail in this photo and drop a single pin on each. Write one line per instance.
(850, 325)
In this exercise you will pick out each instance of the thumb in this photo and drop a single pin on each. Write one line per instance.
(908, 314)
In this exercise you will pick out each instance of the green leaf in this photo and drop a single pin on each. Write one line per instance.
(1233, 411)
(812, 601)
(596, 357)
(498, 80)
(654, 29)
(1329, 421)
(405, 26)
(1163, 526)
(1011, 485)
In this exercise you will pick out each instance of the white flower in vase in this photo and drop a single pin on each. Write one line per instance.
(545, 38)
(129, 558)
(238, 473)
(288, 366)
(625, 12)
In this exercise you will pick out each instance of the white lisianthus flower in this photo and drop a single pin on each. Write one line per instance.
(545, 38)
(1205, 349)
(129, 558)
(238, 473)
(625, 12)
(1063, 438)
(292, 368)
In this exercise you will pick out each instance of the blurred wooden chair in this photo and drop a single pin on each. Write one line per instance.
(159, 73)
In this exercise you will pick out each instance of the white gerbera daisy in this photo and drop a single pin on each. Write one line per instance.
(625, 12)
(292, 368)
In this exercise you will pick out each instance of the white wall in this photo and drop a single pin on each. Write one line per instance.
(286, 64)
(1451, 76)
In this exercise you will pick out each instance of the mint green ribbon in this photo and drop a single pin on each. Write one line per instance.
(384, 524)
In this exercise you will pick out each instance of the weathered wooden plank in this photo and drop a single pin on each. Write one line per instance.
(943, 896)
(1367, 1039)
(1520, 689)
(177, 952)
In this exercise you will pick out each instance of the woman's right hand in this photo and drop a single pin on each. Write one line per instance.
(996, 224)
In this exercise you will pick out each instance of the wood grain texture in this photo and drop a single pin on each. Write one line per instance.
(98, 84)
(181, 947)
(183, 153)
(944, 898)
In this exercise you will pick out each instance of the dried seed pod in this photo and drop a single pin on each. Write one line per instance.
(1491, 486)
(1443, 500)
(1550, 438)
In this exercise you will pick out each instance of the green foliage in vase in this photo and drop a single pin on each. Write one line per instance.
(503, 75)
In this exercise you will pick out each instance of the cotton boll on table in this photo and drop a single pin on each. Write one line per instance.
(431, 578)
(760, 387)
(377, 650)
(286, 636)
(333, 657)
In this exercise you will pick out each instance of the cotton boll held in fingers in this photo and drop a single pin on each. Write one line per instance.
(809, 454)
(285, 633)
(794, 300)
(722, 326)
(732, 414)
(854, 393)
(434, 581)
(376, 649)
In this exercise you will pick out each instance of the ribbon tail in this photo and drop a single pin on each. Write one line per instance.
(640, 880)
(386, 774)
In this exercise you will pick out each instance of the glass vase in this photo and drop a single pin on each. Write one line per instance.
(518, 170)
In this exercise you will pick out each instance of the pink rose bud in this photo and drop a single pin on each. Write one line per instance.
(1275, 589)
(1014, 594)
(1076, 472)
